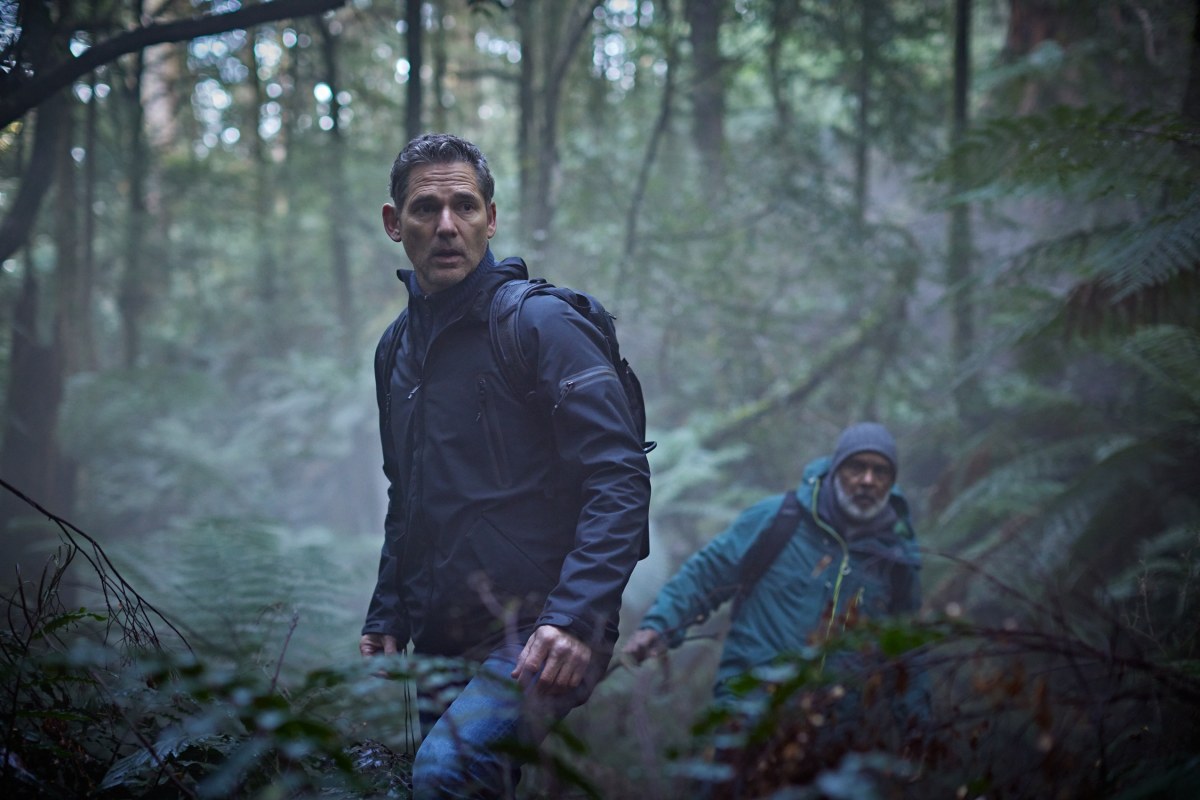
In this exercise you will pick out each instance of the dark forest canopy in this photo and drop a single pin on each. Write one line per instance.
(976, 222)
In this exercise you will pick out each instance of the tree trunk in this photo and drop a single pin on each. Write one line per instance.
(660, 130)
(783, 17)
(29, 457)
(38, 41)
(413, 91)
(862, 142)
(133, 294)
(551, 33)
(958, 263)
(339, 221)
(526, 18)
(1190, 109)
(87, 356)
(266, 266)
(441, 62)
(708, 87)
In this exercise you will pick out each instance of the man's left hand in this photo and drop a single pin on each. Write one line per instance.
(561, 658)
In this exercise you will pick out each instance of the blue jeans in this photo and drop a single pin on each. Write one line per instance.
(458, 756)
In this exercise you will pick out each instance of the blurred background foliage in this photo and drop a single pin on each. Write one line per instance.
(974, 221)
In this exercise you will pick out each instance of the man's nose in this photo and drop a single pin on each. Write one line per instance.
(445, 223)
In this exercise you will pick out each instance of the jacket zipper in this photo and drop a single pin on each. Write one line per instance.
(584, 378)
(491, 432)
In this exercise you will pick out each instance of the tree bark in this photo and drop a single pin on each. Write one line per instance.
(551, 34)
(266, 266)
(339, 222)
(708, 87)
(958, 262)
(660, 129)
(36, 179)
(441, 62)
(862, 142)
(29, 455)
(134, 295)
(414, 99)
(87, 347)
(783, 16)
(1190, 110)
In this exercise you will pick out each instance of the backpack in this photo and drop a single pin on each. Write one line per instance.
(503, 323)
(503, 320)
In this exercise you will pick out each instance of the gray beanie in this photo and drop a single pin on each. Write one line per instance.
(865, 437)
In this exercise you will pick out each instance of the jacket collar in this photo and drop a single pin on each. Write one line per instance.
(475, 290)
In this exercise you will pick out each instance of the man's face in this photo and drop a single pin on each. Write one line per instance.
(444, 224)
(864, 481)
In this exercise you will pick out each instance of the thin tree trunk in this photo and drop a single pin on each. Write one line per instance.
(958, 267)
(133, 295)
(708, 87)
(339, 222)
(288, 134)
(87, 347)
(783, 15)
(1191, 95)
(862, 143)
(526, 92)
(440, 65)
(266, 268)
(551, 34)
(656, 137)
(413, 91)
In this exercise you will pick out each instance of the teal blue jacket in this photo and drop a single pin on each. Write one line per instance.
(817, 572)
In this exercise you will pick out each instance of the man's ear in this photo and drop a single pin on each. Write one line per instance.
(491, 220)
(391, 222)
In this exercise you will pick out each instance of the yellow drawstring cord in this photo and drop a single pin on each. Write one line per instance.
(837, 584)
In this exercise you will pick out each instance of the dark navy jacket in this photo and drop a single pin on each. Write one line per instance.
(504, 512)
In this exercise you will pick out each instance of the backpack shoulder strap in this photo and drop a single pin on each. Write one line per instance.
(503, 324)
(766, 547)
(385, 361)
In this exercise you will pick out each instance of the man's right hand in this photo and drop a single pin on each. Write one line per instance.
(374, 644)
(645, 643)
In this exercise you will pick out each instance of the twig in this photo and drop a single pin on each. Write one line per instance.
(128, 602)
(286, 640)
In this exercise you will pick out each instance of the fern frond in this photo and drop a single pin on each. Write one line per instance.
(1155, 249)
(1094, 308)
(1085, 151)
(1170, 355)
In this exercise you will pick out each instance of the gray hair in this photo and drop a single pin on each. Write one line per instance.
(439, 148)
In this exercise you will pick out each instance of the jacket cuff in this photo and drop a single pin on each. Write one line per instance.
(377, 627)
(576, 627)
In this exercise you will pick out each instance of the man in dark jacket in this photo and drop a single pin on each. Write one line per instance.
(852, 546)
(513, 521)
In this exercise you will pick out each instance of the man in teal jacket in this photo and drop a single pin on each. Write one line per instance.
(852, 553)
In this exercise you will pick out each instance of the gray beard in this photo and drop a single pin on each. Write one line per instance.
(853, 511)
